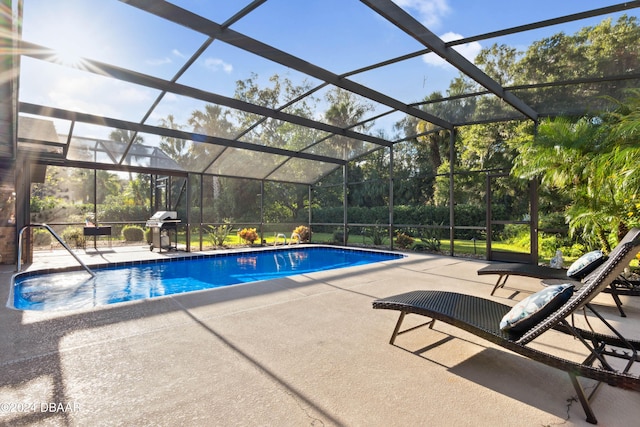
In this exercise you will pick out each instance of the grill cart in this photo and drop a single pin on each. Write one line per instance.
(163, 224)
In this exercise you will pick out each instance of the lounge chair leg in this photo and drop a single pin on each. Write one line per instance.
(397, 328)
(616, 299)
(397, 331)
(584, 401)
(498, 284)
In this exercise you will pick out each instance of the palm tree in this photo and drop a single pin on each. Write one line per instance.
(125, 136)
(176, 148)
(594, 161)
(212, 121)
(346, 110)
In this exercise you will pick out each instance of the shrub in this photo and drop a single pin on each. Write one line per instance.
(147, 235)
(304, 233)
(133, 233)
(249, 235)
(404, 241)
(218, 234)
(73, 236)
(377, 234)
(121, 212)
(339, 236)
(41, 237)
(467, 215)
(427, 245)
(548, 246)
(39, 204)
(577, 250)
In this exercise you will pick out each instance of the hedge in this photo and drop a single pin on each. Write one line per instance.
(465, 215)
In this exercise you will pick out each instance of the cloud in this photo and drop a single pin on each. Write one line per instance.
(468, 50)
(159, 61)
(167, 60)
(131, 95)
(430, 12)
(216, 64)
(171, 97)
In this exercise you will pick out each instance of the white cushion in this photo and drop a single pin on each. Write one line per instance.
(585, 264)
(535, 308)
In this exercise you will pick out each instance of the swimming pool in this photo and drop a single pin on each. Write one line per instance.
(67, 290)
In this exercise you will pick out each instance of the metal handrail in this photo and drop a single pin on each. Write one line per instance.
(58, 238)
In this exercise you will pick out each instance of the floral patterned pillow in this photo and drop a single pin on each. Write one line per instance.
(586, 264)
(533, 309)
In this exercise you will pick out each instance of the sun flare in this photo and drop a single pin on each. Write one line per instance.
(68, 58)
(70, 49)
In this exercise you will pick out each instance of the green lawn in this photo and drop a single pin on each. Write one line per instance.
(461, 247)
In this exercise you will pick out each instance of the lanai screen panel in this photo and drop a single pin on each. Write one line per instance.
(301, 171)
(341, 147)
(579, 98)
(272, 68)
(245, 163)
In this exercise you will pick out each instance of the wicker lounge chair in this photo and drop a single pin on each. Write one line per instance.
(506, 269)
(623, 286)
(618, 286)
(482, 317)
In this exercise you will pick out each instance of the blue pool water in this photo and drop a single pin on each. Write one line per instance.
(142, 280)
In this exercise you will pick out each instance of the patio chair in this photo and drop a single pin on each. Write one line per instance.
(547, 275)
(618, 286)
(506, 269)
(486, 318)
(624, 286)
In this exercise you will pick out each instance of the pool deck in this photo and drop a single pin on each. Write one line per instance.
(304, 350)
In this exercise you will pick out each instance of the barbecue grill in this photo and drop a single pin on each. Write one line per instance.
(161, 224)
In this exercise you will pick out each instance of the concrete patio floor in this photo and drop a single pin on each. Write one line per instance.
(306, 350)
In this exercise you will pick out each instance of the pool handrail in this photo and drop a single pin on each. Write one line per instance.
(58, 238)
(297, 238)
(278, 236)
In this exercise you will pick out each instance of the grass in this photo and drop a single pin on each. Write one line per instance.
(461, 247)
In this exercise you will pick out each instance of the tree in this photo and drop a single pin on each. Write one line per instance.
(176, 148)
(369, 180)
(234, 197)
(213, 121)
(603, 50)
(281, 95)
(125, 136)
(478, 147)
(593, 160)
(417, 160)
(137, 191)
(498, 62)
(285, 202)
(197, 156)
(346, 110)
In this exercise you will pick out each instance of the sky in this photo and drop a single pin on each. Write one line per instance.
(337, 35)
